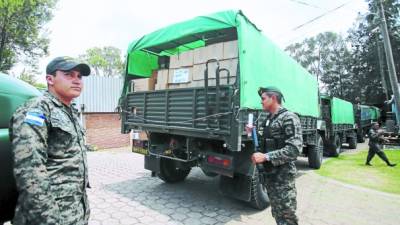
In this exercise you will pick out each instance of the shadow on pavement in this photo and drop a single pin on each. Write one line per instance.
(198, 195)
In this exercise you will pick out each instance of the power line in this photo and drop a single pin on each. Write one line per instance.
(320, 16)
(307, 4)
(313, 20)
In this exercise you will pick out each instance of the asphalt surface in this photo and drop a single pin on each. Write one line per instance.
(123, 192)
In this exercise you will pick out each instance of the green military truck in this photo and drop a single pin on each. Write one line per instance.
(364, 117)
(13, 93)
(189, 89)
(340, 126)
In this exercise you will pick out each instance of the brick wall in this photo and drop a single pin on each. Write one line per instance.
(103, 130)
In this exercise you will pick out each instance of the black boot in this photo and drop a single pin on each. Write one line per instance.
(368, 164)
(385, 158)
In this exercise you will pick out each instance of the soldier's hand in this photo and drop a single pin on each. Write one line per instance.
(249, 128)
(258, 157)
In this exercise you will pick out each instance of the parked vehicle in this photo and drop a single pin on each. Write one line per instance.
(13, 93)
(191, 86)
(340, 126)
(364, 117)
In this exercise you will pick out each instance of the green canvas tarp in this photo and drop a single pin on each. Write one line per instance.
(375, 113)
(342, 111)
(261, 62)
(365, 112)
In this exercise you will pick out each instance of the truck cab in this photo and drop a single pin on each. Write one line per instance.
(13, 93)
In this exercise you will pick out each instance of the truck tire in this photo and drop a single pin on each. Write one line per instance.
(315, 154)
(352, 142)
(259, 196)
(336, 146)
(169, 173)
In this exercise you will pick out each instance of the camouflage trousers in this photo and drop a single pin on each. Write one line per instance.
(282, 194)
(74, 213)
(70, 213)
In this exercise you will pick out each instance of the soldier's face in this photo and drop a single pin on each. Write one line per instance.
(266, 102)
(67, 85)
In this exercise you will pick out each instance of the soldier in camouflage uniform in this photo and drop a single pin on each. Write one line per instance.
(282, 142)
(48, 145)
(375, 141)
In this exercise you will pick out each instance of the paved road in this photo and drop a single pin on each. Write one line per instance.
(124, 193)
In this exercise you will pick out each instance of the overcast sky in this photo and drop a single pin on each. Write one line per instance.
(81, 24)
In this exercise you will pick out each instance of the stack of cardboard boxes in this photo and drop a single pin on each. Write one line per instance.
(187, 69)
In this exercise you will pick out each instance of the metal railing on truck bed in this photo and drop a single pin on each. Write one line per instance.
(184, 111)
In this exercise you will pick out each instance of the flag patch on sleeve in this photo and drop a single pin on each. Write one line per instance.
(35, 118)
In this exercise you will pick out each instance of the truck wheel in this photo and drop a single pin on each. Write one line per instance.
(259, 195)
(170, 173)
(315, 154)
(352, 142)
(336, 146)
(360, 137)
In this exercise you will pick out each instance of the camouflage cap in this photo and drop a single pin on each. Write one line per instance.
(66, 63)
(270, 89)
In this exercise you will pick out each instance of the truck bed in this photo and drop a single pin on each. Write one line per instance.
(181, 111)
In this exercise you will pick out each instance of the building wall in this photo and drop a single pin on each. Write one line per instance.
(103, 130)
(100, 94)
(100, 98)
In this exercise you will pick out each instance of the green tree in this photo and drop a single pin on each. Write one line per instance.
(105, 61)
(21, 23)
(325, 56)
(365, 39)
(30, 75)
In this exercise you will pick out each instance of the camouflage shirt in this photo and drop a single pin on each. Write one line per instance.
(282, 139)
(375, 137)
(50, 165)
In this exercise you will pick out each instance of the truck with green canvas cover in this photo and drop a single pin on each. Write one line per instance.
(188, 92)
(340, 126)
(365, 115)
(13, 93)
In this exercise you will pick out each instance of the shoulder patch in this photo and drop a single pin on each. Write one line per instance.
(35, 118)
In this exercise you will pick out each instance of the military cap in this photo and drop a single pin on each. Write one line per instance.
(270, 89)
(66, 63)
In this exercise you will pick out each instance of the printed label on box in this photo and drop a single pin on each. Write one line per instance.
(180, 76)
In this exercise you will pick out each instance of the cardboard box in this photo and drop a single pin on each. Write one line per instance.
(145, 84)
(181, 60)
(214, 51)
(180, 75)
(162, 79)
(230, 64)
(230, 49)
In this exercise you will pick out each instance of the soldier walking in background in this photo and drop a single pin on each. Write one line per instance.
(375, 145)
(48, 147)
(282, 142)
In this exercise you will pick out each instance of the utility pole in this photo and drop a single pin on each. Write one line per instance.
(389, 58)
(382, 72)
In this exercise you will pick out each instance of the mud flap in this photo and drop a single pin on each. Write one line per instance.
(238, 187)
(152, 163)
